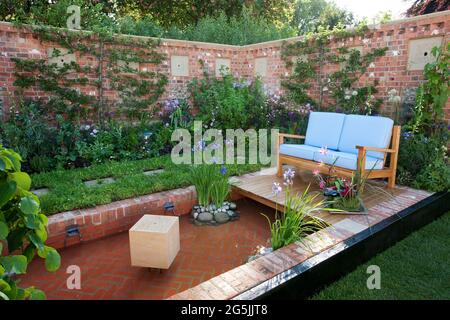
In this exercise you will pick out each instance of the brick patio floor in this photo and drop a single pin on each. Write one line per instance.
(106, 272)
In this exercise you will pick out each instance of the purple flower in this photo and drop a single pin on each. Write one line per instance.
(407, 135)
(276, 188)
(200, 146)
(223, 170)
(288, 177)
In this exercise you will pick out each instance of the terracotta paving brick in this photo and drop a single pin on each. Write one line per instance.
(205, 252)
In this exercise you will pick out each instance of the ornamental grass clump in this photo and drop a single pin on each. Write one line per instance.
(296, 221)
(212, 186)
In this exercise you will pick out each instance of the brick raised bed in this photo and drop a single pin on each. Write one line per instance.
(119, 216)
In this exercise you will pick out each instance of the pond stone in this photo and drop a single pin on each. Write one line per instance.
(231, 213)
(232, 205)
(205, 216)
(221, 217)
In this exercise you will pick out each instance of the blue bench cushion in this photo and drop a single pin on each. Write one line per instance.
(298, 151)
(347, 160)
(324, 129)
(366, 131)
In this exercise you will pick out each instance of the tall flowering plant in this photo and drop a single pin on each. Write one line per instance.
(296, 220)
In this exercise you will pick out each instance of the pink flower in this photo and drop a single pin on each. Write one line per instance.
(323, 150)
(322, 184)
(316, 172)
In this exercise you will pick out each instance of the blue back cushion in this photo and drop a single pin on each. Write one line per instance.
(369, 131)
(324, 129)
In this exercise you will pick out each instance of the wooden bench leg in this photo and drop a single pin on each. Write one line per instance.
(391, 181)
(279, 168)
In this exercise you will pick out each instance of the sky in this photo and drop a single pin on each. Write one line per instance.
(370, 8)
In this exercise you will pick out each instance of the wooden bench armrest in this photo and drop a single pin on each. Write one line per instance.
(363, 148)
(288, 135)
(281, 137)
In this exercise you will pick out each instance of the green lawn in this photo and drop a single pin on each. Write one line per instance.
(417, 267)
(67, 190)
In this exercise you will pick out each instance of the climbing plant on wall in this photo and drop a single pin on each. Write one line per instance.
(337, 72)
(110, 80)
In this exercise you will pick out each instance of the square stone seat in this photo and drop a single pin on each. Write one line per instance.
(154, 241)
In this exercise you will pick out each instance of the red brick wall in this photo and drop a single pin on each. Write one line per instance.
(390, 70)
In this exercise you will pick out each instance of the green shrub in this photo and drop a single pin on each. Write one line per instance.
(434, 177)
(27, 131)
(228, 102)
(22, 229)
(422, 162)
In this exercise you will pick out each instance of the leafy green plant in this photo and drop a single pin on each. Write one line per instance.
(202, 177)
(220, 188)
(22, 229)
(27, 130)
(422, 161)
(296, 221)
(432, 95)
(211, 184)
(228, 102)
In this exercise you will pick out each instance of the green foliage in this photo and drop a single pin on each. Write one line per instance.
(435, 176)
(423, 163)
(227, 102)
(67, 190)
(433, 94)
(47, 143)
(211, 184)
(297, 220)
(311, 15)
(22, 229)
(237, 30)
(423, 159)
(202, 177)
(308, 57)
(183, 14)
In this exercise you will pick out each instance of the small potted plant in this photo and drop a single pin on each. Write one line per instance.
(349, 196)
(327, 183)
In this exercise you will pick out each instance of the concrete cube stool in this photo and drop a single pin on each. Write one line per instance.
(154, 241)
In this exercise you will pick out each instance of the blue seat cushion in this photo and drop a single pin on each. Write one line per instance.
(298, 150)
(347, 160)
(324, 129)
(368, 131)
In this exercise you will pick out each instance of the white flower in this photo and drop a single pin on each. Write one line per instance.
(354, 93)
(372, 65)
(395, 53)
